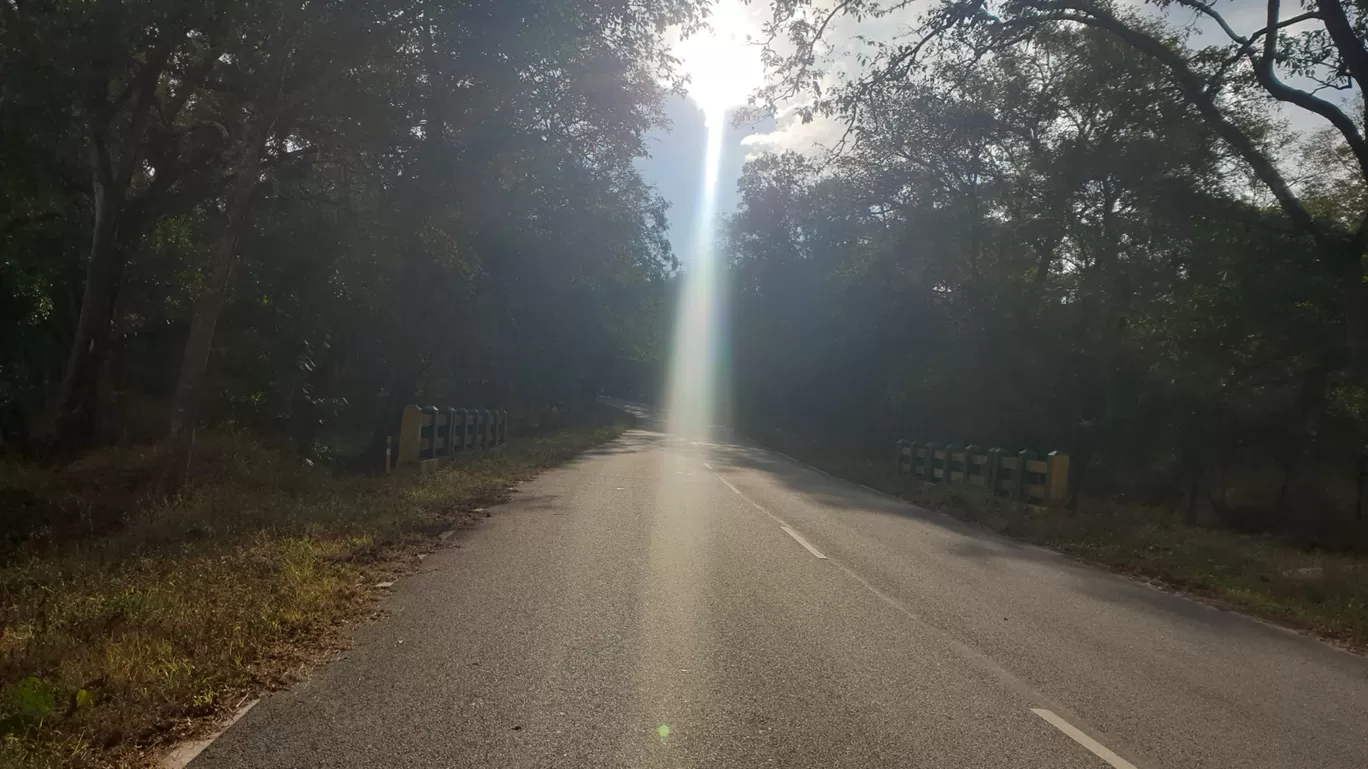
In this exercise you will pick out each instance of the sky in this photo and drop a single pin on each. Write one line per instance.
(724, 68)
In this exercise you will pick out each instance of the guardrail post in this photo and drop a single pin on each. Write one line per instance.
(1056, 478)
(441, 429)
(950, 451)
(458, 430)
(898, 463)
(503, 426)
(930, 462)
(410, 437)
(970, 452)
(1023, 456)
(993, 471)
(450, 445)
(430, 416)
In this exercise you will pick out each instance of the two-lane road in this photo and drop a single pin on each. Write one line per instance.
(660, 603)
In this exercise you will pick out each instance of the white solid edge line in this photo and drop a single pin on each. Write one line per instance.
(798, 537)
(1097, 748)
(705, 464)
(184, 753)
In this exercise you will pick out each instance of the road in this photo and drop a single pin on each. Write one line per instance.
(660, 603)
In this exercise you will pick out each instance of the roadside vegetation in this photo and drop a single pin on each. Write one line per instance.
(113, 644)
(1323, 593)
(236, 239)
(1134, 233)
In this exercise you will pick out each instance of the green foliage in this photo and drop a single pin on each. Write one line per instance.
(443, 207)
(1011, 255)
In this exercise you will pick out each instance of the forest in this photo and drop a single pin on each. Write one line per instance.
(237, 238)
(1055, 224)
(1076, 226)
(297, 219)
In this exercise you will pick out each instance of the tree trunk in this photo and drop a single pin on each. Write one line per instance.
(180, 436)
(73, 409)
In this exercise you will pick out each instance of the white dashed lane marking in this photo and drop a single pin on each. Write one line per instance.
(803, 542)
(1097, 748)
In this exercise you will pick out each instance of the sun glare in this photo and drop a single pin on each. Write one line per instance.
(723, 70)
(722, 65)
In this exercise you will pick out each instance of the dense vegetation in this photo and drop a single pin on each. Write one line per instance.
(1060, 224)
(284, 222)
(296, 218)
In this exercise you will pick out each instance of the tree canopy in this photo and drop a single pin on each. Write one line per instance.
(1057, 224)
(294, 216)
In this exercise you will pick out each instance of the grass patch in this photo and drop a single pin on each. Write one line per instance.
(1323, 593)
(123, 628)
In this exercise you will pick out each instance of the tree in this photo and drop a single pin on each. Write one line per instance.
(132, 69)
(329, 211)
(1005, 254)
(1323, 44)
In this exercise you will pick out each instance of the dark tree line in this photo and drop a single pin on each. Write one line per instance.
(302, 216)
(1058, 224)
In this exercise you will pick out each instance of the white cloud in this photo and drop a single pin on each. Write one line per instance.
(791, 133)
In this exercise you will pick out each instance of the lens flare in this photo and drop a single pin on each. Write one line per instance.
(693, 387)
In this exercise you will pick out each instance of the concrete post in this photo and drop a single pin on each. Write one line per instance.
(993, 470)
(1057, 479)
(410, 437)
(1023, 456)
(430, 428)
(458, 429)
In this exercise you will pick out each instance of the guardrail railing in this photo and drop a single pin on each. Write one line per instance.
(429, 435)
(1019, 475)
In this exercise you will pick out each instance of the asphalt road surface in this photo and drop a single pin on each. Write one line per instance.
(661, 603)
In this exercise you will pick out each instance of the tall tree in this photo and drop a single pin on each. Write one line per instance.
(1323, 45)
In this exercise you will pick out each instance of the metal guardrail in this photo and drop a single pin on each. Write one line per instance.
(1019, 476)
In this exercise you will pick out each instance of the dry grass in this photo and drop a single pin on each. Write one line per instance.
(1322, 593)
(129, 632)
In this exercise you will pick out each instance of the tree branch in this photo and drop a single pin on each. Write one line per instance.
(1209, 12)
(1268, 78)
(1192, 87)
(1345, 39)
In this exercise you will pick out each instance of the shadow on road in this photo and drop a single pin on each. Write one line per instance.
(973, 545)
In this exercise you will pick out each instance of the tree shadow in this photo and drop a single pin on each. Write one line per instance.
(1015, 560)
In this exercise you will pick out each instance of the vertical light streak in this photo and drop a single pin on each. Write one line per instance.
(693, 387)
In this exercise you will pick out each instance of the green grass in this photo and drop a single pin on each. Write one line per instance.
(116, 643)
(1322, 593)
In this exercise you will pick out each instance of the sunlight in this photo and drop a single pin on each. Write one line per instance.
(722, 65)
(723, 69)
(692, 397)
